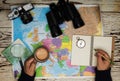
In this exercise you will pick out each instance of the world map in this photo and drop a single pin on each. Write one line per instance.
(37, 33)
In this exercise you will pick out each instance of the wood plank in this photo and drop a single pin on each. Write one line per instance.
(4, 21)
(110, 7)
(26, 1)
(106, 5)
(81, 1)
(115, 76)
(6, 73)
(111, 27)
(5, 37)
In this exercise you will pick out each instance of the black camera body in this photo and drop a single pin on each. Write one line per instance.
(63, 11)
(23, 13)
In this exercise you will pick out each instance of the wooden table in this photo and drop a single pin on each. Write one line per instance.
(110, 14)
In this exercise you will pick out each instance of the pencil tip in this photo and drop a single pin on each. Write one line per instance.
(96, 49)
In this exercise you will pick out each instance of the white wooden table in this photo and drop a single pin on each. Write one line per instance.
(110, 14)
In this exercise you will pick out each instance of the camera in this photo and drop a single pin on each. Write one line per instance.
(23, 13)
(64, 11)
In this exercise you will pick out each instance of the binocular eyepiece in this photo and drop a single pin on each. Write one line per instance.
(60, 12)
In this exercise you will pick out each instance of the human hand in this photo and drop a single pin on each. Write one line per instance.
(29, 66)
(102, 64)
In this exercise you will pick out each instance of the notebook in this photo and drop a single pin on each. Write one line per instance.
(83, 52)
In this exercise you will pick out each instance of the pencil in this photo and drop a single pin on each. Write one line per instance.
(107, 59)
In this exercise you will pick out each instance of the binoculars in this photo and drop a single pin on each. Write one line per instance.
(60, 12)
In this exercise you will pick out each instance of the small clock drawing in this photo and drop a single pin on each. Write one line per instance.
(80, 43)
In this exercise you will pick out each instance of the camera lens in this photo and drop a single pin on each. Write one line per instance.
(53, 24)
(26, 17)
(16, 12)
(77, 22)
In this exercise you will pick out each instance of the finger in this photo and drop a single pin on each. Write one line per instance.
(33, 66)
(29, 61)
(104, 53)
(30, 57)
(105, 59)
(35, 61)
(99, 59)
(107, 56)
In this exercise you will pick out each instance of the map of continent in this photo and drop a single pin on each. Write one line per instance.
(37, 33)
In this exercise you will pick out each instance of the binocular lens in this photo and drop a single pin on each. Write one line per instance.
(76, 17)
(78, 22)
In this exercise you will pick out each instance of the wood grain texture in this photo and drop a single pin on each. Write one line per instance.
(6, 73)
(111, 27)
(4, 21)
(106, 5)
(48, 1)
(5, 37)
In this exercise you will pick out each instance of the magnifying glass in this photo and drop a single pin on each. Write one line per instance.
(18, 51)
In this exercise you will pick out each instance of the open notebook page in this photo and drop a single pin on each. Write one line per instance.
(104, 43)
(81, 55)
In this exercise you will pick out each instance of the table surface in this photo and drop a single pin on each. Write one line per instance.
(110, 15)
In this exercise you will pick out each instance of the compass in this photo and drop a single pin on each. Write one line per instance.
(80, 43)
